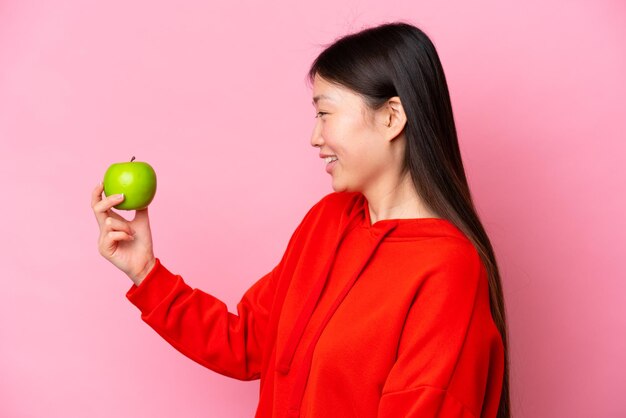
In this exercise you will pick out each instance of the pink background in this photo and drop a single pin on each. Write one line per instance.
(212, 95)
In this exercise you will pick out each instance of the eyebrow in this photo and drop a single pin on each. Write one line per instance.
(320, 97)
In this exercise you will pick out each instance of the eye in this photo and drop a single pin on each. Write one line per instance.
(320, 114)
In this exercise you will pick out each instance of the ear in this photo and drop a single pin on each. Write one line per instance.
(393, 118)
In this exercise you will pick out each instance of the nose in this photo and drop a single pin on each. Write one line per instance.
(316, 136)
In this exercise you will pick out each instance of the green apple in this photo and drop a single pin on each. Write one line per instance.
(136, 179)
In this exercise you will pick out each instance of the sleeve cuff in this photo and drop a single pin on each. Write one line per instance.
(157, 284)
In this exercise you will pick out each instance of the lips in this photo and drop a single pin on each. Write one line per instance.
(331, 164)
(330, 160)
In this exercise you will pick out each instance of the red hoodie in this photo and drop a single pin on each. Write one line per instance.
(357, 320)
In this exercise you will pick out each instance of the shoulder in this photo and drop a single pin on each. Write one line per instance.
(455, 250)
(335, 205)
(328, 214)
(339, 201)
(456, 262)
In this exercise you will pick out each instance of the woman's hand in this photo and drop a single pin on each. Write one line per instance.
(126, 244)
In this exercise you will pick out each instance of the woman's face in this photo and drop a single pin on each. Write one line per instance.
(346, 130)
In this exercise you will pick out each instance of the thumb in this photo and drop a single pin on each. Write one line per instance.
(141, 215)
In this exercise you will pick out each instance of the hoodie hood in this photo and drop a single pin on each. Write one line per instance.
(356, 215)
(356, 219)
(406, 228)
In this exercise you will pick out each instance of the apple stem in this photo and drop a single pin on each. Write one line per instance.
(131, 160)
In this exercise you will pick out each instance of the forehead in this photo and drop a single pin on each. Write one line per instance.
(321, 97)
(324, 91)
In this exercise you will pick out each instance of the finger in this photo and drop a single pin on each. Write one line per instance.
(118, 236)
(141, 214)
(111, 239)
(101, 208)
(96, 196)
(113, 224)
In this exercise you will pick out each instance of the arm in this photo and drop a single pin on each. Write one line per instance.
(200, 325)
(450, 356)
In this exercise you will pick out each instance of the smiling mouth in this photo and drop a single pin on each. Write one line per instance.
(330, 159)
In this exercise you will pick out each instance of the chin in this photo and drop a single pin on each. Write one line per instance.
(337, 187)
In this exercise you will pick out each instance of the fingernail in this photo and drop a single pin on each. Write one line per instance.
(119, 196)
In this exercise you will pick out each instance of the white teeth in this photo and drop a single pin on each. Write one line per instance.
(329, 159)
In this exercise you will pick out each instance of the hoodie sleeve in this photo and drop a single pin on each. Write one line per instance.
(450, 356)
(200, 325)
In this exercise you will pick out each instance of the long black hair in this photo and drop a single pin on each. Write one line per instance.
(398, 59)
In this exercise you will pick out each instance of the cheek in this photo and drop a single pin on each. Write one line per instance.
(340, 135)
(331, 135)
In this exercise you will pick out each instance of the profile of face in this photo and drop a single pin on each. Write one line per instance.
(368, 145)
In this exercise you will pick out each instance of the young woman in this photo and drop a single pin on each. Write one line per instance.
(387, 301)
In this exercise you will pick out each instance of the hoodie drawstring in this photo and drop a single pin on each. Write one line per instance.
(284, 363)
(304, 370)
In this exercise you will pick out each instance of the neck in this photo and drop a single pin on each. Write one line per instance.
(398, 202)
